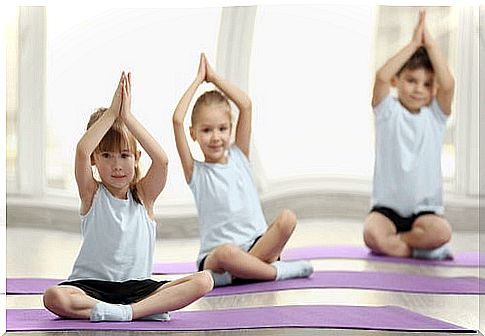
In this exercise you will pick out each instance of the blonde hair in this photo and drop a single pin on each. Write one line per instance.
(209, 98)
(117, 137)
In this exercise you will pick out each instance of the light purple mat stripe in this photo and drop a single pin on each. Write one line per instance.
(461, 259)
(400, 282)
(316, 316)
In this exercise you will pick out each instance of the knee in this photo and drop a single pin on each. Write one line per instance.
(443, 235)
(371, 239)
(225, 254)
(54, 300)
(436, 234)
(204, 282)
(287, 222)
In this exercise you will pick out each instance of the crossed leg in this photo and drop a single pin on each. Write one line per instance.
(72, 302)
(255, 264)
(427, 232)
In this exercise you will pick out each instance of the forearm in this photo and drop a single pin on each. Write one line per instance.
(146, 140)
(183, 105)
(93, 136)
(394, 64)
(443, 75)
(235, 94)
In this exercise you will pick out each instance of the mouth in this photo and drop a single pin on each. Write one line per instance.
(118, 177)
(418, 99)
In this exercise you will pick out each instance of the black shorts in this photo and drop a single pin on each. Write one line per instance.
(125, 292)
(402, 224)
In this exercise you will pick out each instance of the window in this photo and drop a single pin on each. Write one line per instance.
(310, 85)
(87, 50)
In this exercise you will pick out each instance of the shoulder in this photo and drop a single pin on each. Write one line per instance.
(236, 153)
(386, 106)
(437, 112)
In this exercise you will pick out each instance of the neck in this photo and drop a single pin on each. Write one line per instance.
(121, 193)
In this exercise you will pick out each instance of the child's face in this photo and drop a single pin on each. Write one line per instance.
(212, 130)
(415, 88)
(116, 170)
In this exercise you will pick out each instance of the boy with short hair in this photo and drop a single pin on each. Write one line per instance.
(407, 207)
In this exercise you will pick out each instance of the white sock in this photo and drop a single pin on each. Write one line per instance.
(441, 253)
(221, 279)
(103, 311)
(292, 269)
(164, 317)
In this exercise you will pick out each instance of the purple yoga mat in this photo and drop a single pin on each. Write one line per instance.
(400, 282)
(461, 259)
(314, 316)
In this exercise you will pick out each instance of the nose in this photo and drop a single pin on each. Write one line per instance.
(419, 88)
(116, 164)
(215, 135)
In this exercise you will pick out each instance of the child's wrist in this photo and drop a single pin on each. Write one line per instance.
(415, 44)
(112, 112)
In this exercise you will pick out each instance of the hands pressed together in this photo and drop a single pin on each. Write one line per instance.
(121, 103)
(205, 72)
(421, 36)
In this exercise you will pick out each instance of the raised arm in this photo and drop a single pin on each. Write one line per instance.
(86, 183)
(152, 184)
(243, 103)
(444, 79)
(384, 75)
(178, 122)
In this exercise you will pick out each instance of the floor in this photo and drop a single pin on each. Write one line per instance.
(43, 253)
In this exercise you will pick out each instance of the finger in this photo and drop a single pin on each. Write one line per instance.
(120, 84)
(129, 81)
(124, 93)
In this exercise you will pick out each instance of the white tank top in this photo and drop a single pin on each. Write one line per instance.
(227, 203)
(118, 240)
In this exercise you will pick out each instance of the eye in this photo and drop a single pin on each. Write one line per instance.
(105, 155)
(125, 155)
(223, 128)
(206, 130)
(427, 84)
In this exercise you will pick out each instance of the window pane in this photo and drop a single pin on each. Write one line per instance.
(395, 29)
(310, 84)
(87, 50)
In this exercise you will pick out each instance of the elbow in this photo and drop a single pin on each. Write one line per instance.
(176, 120)
(82, 152)
(382, 78)
(247, 105)
(162, 159)
(448, 86)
